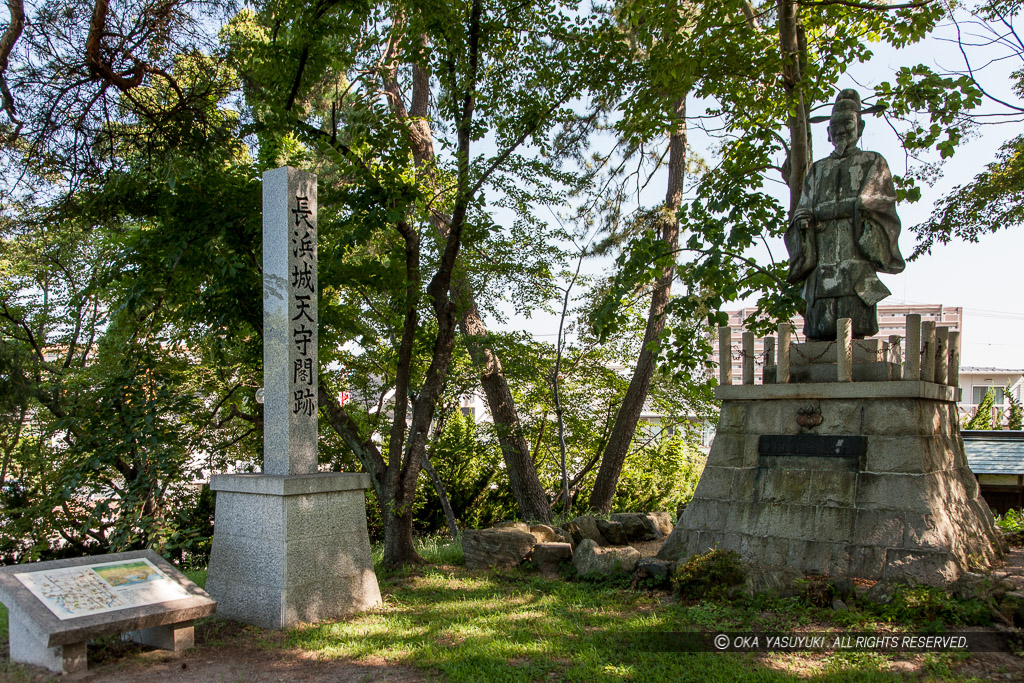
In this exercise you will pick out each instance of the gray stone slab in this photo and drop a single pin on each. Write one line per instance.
(866, 561)
(744, 482)
(834, 524)
(883, 528)
(837, 390)
(799, 462)
(931, 567)
(732, 418)
(832, 488)
(906, 454)
(279, 485)
(891, 491)
(290, 320)
(729, 450)
(340, 597)
(250, 515)
(781, 485)
(310, 517)
(248, 559)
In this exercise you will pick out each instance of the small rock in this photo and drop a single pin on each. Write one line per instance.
(637, 526)
(613, 532)
(881, 593)
(544, 533)
(520, 526)
(585, 527)
(591, 559)
(843, 586)
(547, 534)
(654, 571)
(548, 557)
(972, 585)
(838, 605)
(663, 521)
(500, 547)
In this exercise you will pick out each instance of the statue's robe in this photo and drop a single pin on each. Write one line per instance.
(850, 202)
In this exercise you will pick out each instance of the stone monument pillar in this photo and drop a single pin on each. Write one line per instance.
(290, 545)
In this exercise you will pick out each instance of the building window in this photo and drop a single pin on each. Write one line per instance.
(469, 412)
(979, 394)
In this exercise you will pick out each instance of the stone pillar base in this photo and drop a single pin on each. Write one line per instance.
(173, 637)
(864, 480)
(291, 549)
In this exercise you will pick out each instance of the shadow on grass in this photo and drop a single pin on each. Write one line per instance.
(518, 627)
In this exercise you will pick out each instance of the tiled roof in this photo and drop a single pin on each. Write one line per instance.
(1007, 371)
(995, 452)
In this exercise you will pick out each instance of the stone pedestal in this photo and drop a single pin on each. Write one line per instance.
(291, 549)
(860, 479)
(173, 637)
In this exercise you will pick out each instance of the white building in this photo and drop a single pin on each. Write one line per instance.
(975, 383)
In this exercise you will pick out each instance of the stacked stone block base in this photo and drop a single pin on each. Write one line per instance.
(291, 549)
(906, 507)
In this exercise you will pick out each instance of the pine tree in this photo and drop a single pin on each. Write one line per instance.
(983, 415)
(1016, 419)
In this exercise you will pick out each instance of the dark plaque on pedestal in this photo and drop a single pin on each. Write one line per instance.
(820, 445)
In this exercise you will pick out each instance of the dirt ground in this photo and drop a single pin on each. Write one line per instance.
(225, 652)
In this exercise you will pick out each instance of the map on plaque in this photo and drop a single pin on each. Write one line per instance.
(71, 592)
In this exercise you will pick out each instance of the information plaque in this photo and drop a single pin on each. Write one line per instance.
(71, 592)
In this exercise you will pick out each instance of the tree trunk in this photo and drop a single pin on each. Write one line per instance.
(792, 46)
(442, 494)
(398, 546)
(402, 473)
(633, 402)
(522, 475)
(526, 487)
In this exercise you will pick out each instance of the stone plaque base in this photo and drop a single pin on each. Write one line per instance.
(30, 647)
(291, 549)
(905, 508)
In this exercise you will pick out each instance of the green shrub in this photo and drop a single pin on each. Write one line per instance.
(1012, 521)
(932, 610)
(711, 574)
(659, 477)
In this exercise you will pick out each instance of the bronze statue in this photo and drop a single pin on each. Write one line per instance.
(844, 231)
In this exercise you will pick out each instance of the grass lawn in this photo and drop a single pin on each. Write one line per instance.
(518, 626)
(452, 624)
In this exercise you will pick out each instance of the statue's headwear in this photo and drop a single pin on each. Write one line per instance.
(848, 101)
